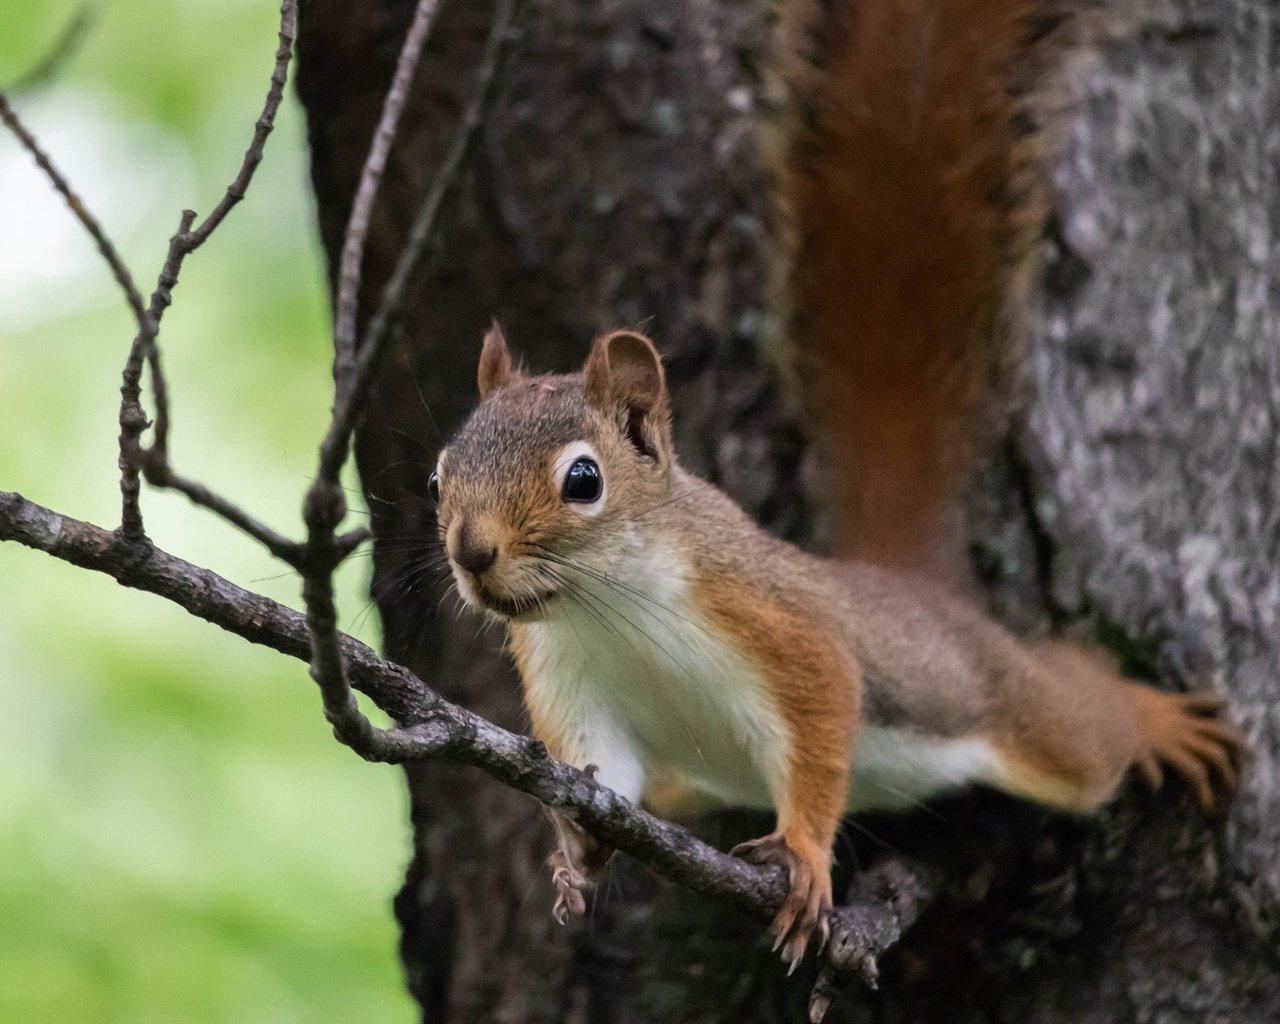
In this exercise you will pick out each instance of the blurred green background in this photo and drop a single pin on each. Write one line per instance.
(180, 837)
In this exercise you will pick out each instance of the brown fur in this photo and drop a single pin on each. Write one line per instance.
(837, 644)
(496, 369)
(914, 188)
(817, 691)
(913, 171)
(916, 191)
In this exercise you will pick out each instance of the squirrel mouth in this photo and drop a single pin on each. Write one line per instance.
(514, 607)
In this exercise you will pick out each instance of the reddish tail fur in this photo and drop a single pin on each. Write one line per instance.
(916, 191)
(916, 188)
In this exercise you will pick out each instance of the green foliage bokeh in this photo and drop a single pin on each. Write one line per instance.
(180, 837)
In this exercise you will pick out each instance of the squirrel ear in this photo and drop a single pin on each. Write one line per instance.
(624, 377)
(496, 369)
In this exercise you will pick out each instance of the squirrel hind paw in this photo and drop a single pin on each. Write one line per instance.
(570, 883)
(1188, 734)
(803, 916)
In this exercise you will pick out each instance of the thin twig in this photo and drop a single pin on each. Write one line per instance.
(235, 191)
(325, 504)
(437, 728)
(422, 233)
(133, 420)
(350, 266)
(430, 726)
(159, 474)
(90, 223)
(434, 727)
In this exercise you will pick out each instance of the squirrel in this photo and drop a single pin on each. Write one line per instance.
(665, 639)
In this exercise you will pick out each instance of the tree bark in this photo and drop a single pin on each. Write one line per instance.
(617, 182)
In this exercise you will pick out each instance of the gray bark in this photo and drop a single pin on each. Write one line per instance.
(618, 183)
(1155, 436)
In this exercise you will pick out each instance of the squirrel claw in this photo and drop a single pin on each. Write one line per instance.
(770, 849)
(568, 904)
(803, 917)
(569, 884)
(1189, 735)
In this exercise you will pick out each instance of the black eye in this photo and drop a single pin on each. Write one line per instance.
(583, 482)
(433, 487)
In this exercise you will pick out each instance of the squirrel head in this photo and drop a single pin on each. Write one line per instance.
(551, 475)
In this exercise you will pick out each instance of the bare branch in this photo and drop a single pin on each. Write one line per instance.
(325, 505)
(881, 905)
(159, 474)
(133, 420)
(262, 127)
(434, 726)
(351, 264)
(422, 233)
(90, 223)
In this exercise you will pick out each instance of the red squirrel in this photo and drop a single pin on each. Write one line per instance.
(695, 660)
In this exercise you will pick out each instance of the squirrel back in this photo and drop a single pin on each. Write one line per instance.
(914, 185)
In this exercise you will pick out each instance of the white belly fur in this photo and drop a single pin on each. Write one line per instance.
(633, 679)
(635, 666)
(896, 768)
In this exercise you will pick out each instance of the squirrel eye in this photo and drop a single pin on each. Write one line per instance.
(433, 487)
(583, 482)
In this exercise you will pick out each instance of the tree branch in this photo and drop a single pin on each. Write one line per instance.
(133, 420)
(325, 504)
(422, 233)
(435, 727)
(353, 244)
(881, 905)
(429, 726)
(160, 474)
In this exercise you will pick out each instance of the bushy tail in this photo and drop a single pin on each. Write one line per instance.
(914, 186)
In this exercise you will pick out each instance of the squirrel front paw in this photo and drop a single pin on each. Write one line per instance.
(570, 883)
(803, 916)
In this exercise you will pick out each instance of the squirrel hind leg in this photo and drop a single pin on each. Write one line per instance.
(1188, 734)
(803, 915)
(1080, 726)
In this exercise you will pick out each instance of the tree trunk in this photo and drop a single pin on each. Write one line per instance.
(617, 182)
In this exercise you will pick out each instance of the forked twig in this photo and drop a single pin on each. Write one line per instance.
(133, 420)
(422, 232)
(890, 899)
(881, 906)
(325, 504)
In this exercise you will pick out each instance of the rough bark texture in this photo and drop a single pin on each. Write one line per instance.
(617, 183)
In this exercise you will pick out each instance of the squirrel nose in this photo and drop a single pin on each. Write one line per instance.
(476, 558)
(473, 549)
